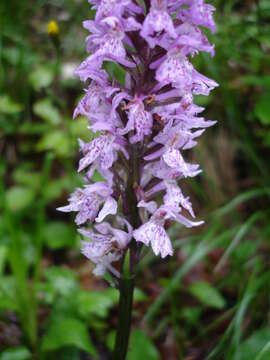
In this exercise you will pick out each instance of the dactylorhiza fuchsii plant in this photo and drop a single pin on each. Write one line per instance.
(144, 129)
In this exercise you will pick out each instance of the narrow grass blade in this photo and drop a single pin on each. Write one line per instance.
(246, 196)
(265, 350)
(237, 238)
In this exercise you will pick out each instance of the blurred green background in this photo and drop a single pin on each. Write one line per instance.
(209, 301)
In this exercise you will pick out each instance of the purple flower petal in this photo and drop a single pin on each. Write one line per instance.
(109, 208)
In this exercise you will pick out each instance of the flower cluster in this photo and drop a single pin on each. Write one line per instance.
(144, 126)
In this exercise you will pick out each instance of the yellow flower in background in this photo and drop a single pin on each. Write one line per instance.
(53, 28)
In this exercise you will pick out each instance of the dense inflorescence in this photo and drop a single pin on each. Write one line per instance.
(143, 127)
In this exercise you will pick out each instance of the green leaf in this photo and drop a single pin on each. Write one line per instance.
(266, 137)
(116, 71)
(19, 353)
(78, 129)
(41, 77)
(68, 332)
(255, 347)
(262, 108)
(8, 106)
(47, 111)
(62, 280)
(33, 128)
(110, 341)
(3, 257)
(11, 55)
(191, 314)
(241, 199)
(256, 80)
(234, 243)
(207, 294)
(200, 251)
(56, 141)
(58, 234)
(139, 295)
(96, 303)
(69, 353)
(46, 293)
(8, 293)
(141, 347)
(19, 197)
(56, 187)
(99, 303)
(97, 177)
(24, 176)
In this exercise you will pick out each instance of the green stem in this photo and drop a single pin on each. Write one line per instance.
(124, 318)
(126, 283)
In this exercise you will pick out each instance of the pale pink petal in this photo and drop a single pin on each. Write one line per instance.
(188, 223)
(109, 208)
(67, 208)
(93, 151)
(156, 234)
(150, 206)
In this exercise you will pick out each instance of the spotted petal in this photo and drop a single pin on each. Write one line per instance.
(109, 208)
(174, 159)
(153, 233)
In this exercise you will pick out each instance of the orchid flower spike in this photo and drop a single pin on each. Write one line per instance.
(144, 127)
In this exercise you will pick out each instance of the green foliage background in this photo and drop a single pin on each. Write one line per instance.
(211, 300)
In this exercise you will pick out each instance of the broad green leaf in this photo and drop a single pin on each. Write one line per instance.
(62, 280)
(67, 332)
(94, 303)
(141, 347)
(41, 77)
(255, 347)
(56, 187)
(8, 106)
(58, 234)
(139, 295)
(100, 302)
(19, 197)
(207, 294)
(34, 128)
(47, 111)
(113, 294)
(46, 293)
(19, 353)
(56, 141)
(27, 177)
(262, 108)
